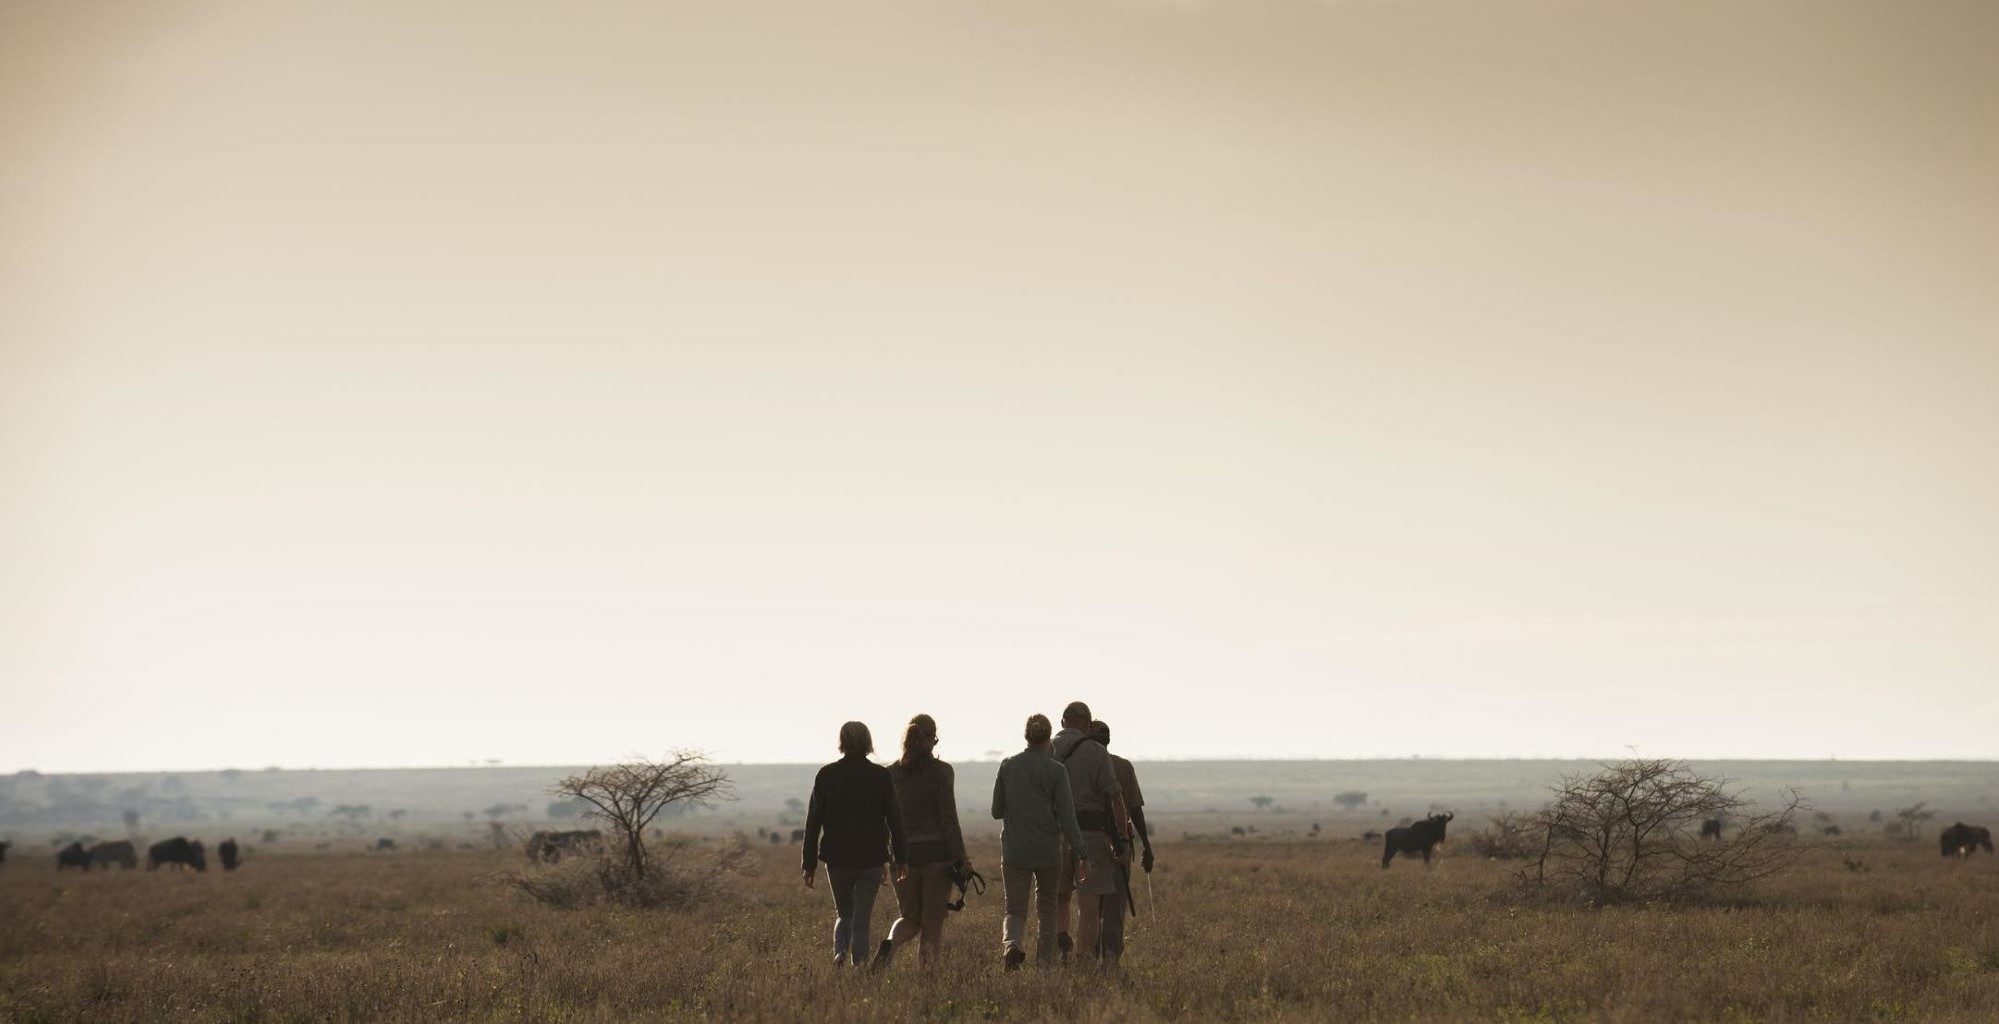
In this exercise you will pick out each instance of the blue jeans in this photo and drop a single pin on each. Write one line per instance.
(854, 891)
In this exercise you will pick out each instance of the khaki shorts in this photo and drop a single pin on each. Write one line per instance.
(1103, 866)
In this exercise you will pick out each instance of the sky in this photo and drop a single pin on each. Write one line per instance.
(389, 383)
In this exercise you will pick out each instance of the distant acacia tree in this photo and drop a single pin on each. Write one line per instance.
(1910, 819)
(1262, 803)
(1350, 799)
(131, 820)
(398, 814)
(352, 812)
(498, 811)
(627, 797)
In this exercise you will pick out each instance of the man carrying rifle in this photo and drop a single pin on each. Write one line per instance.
(1100, 812)
(1134, 803)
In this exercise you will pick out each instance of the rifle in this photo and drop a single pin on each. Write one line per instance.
(1124, 876)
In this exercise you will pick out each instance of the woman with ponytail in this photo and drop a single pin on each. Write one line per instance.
(925, 791)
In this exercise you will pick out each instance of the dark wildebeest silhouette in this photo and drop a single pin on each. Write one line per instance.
(73, 856)
(553, 846)
(1963, 840)
(1410, 840)
(384, 843)
(3, 851)
(179, 852)
(117, 852)
(1711, 828)
(227, 851)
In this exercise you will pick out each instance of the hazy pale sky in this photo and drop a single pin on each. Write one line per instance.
(409, 383)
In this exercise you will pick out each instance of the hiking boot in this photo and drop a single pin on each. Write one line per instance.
(881, 955)
(1014, 958)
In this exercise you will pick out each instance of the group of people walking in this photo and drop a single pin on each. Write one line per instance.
(1070, 813)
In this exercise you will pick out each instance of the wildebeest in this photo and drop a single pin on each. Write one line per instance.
(798, 835)
(553, 846)
(1410, 840)
(384, 844)
(227, 851)
(119, 852)
(3, 851)
(1963, 840)
(73, 856)
(179, 852)
(1711, 828)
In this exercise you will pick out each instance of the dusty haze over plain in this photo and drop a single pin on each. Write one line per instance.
(391, 383)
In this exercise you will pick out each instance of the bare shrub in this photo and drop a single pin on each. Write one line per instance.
(1627, 833)
(1510, 836)
(627, 797)
(630, 871)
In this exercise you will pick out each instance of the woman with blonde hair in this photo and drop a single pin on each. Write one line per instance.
(853, 805)
(926, 794)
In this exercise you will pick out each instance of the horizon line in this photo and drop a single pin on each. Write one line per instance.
(274, 769)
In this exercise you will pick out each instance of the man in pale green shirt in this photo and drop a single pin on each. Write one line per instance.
(1031, 798)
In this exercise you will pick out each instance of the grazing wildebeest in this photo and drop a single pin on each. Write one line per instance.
(384, 843)
(3, 851)
(798, 835)
(553, 846)
(1963, 840)
(1413, 839)
(178, 851)
(227, 851)
(73, 856)
(119, 852)
(1711, 828)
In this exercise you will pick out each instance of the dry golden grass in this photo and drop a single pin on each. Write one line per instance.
(1247, 931)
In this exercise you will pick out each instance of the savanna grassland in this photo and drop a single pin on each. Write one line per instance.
(1869, 929)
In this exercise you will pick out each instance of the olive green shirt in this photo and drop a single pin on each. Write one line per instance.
(1031, 799)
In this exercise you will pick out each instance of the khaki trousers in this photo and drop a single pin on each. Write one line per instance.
(1018, 881)
(922, 897)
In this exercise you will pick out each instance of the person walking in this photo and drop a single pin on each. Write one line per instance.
(926, 793)
(1134, 805)
(1134, 799)
(1100, 813)
(853, 802)
(1032, 800)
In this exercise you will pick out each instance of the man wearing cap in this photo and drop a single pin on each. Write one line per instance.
(1031, 799)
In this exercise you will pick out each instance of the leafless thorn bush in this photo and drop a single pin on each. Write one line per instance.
(627, 798)
(1627, 834)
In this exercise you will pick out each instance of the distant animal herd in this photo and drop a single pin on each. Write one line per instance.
(178, 853)
(1416, 839)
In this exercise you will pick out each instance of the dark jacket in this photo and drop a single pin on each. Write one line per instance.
(853, 801)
